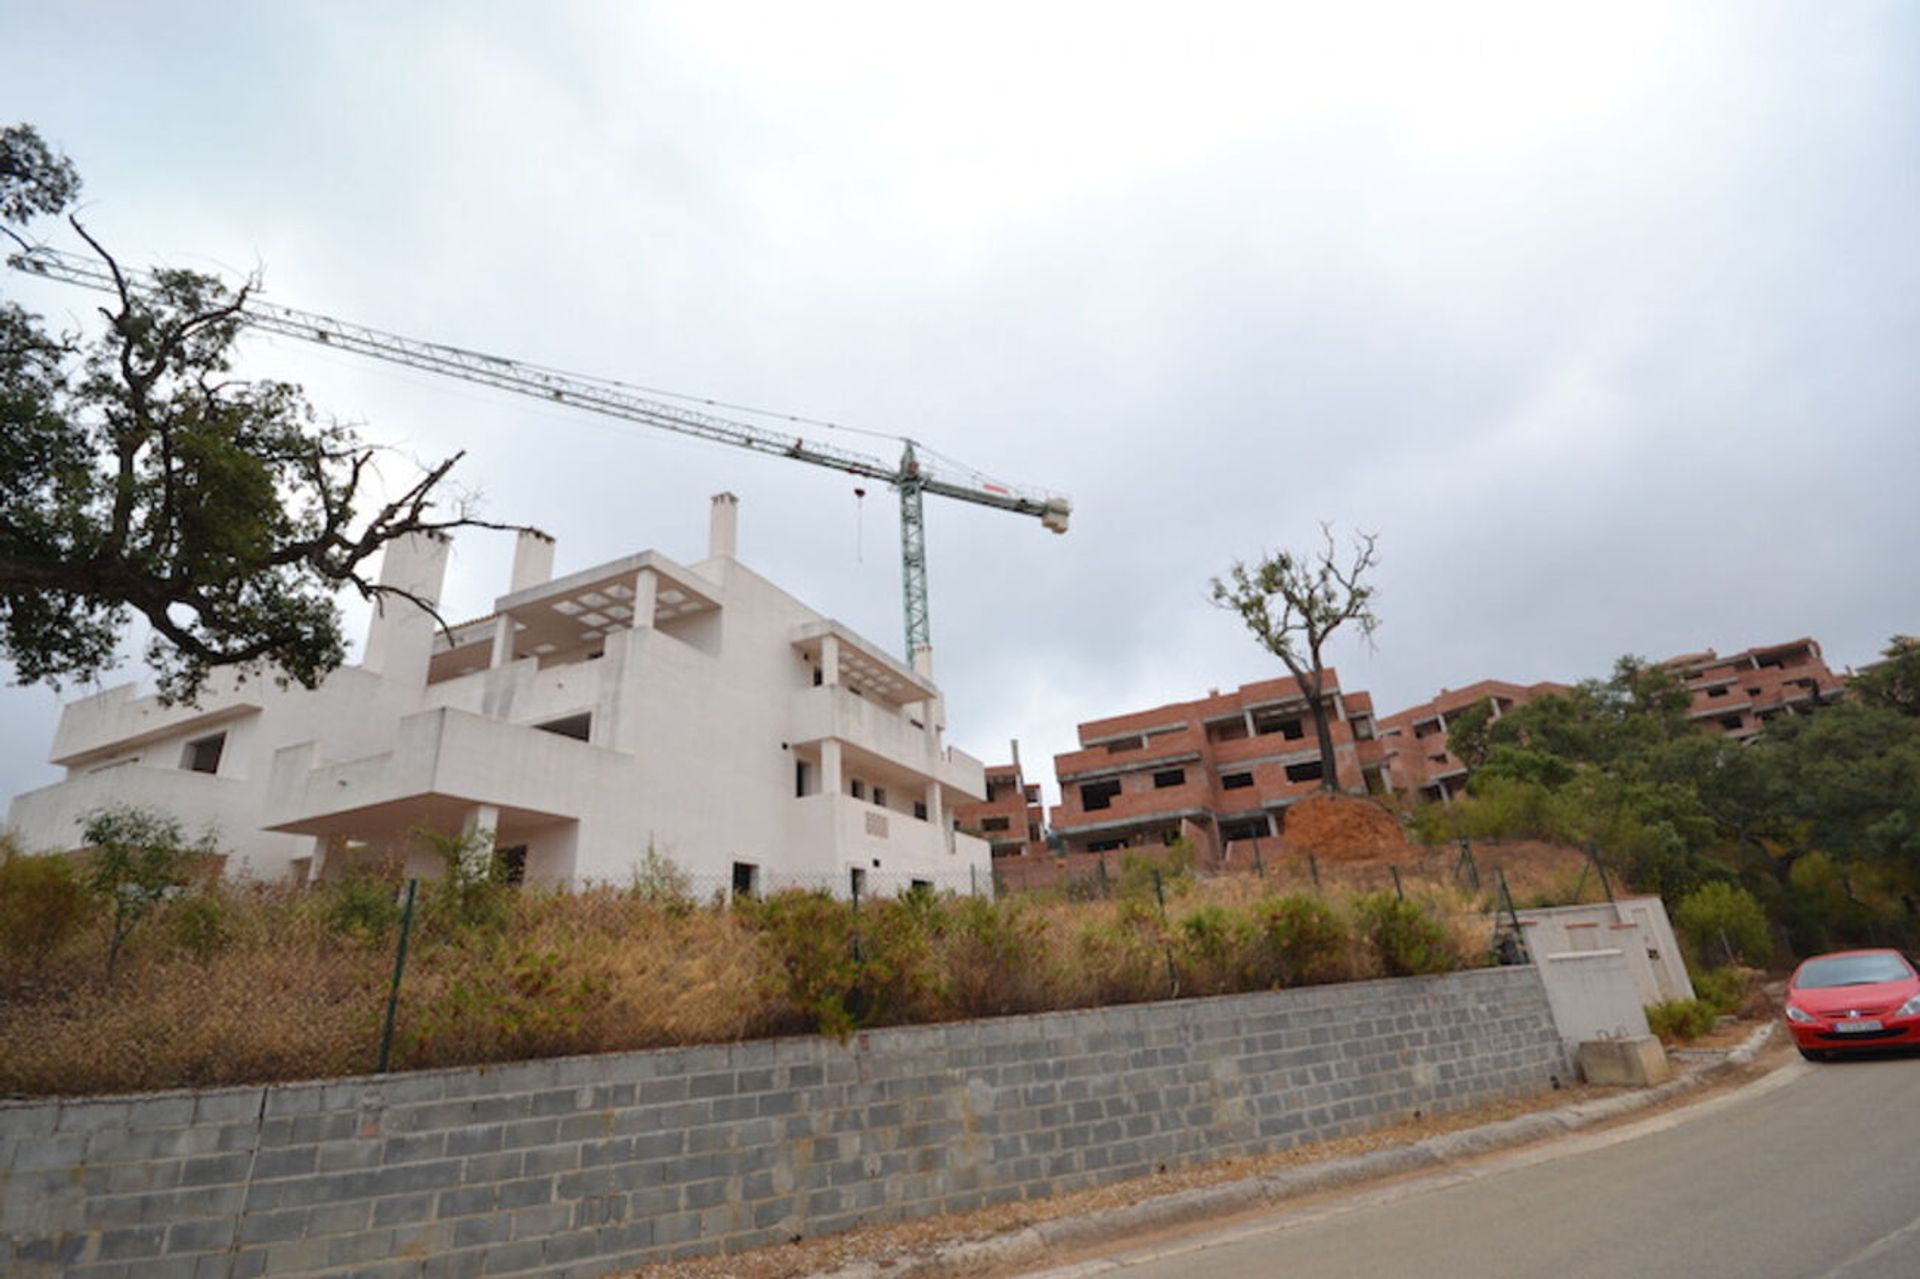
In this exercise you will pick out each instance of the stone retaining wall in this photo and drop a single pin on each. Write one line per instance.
(583, 1166)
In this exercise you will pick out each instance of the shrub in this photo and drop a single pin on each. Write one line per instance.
(1212, 950)
(998, 957)
(1719, 918)
(138, 857)
(200, 924)
(362, 907)
(1681, 1020)
(659, 881)
(1297, 941)
(43, 904)
(810, 938)
(471, 892)
(1120, 956)
(1403, 938)
(1724, 989)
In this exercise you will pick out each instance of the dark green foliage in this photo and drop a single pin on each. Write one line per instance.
(1723, 989)
(1723, 923)
(1681, 1020)
(1403, 937)
(1894, 682)
(1297, 940)
(139, 477)
(43, 905)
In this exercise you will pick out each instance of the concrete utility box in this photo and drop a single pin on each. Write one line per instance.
(1632, 1063)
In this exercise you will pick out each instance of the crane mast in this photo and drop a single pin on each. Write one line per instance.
(909, 477)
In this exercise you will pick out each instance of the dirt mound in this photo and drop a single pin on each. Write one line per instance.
(1339, 828)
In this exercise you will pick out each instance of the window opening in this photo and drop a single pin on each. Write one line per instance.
(802, 778)
(1235, 781)
(1098, 795)
(578, 727)
(994, 823)
(746, 879)
(203, 756)
(1169, 777)
(512, 864)
(856, 788)
(1309, 771)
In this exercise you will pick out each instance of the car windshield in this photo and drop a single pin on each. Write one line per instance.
(1851, 970)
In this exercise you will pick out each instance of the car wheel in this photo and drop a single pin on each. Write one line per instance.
(1813, 1054)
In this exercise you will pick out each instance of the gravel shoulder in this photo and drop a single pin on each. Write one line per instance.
(1033, 1232)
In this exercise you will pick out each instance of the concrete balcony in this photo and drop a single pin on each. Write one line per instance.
(441, 760)
(121, 719)
(835, 711)
(49, 819)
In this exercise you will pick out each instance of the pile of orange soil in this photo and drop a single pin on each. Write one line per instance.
(1339, 828)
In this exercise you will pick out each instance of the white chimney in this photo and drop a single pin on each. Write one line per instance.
(532, 560)
(400, 640)
(723, 532)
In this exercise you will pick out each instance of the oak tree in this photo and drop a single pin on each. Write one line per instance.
(140, 477)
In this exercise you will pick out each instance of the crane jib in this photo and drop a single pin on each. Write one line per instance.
(612, 399)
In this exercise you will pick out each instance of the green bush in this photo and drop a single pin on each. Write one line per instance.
(1403, 937)
(997, 955)
(810, 935)
(1721, 917)
(1681, 1020)
(1725, 989)
(1297, 941)
(1210, 954)
(363, 907)
(43, 904)
(139, 856)
(200, 924)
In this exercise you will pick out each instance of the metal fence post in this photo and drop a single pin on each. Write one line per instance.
(399, 966)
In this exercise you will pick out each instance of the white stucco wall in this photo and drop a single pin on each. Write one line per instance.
(696, 727)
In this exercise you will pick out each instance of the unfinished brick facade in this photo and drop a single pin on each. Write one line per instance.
(1415, 740)
(1011, 818)
(1211, 771)
(1736, 695)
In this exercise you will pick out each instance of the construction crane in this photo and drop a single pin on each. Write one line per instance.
(911, 476)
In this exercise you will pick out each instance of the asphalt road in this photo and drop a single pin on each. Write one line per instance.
(1813, 1172)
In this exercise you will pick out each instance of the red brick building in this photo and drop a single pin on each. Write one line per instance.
(1011, 818)
(1212, 771)
(1736, 695)
(1415, 740)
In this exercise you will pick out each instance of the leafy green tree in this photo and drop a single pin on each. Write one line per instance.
(1467, 739)
(1893, 683)
(1615, 723)
(139, 477)
(1294, 603)
(137, 856)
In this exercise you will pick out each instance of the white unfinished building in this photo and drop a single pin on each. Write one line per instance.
(694, 710)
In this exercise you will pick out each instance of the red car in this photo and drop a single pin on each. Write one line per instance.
(1853, 999)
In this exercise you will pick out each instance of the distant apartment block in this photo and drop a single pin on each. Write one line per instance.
(1212, 771)
(1415, 740)
(1011, 818)
(1736, 695)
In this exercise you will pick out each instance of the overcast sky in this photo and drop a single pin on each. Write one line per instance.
(1606, 321)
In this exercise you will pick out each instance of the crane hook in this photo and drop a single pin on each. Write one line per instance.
(859, 525)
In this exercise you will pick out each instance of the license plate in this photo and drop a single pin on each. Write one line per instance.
(1856, 1027)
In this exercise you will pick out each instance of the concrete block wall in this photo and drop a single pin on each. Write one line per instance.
(584, 1166)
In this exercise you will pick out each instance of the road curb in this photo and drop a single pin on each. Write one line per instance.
(1033, 1242)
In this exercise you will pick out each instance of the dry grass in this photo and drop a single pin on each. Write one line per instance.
(254, 985)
